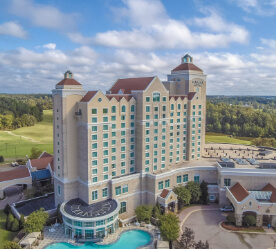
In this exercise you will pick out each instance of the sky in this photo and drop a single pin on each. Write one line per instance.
(232, 41)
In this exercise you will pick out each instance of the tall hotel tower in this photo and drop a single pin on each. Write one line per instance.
(116, 151)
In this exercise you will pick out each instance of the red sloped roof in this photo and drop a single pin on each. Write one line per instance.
(270, 187)
(119, 97)
(68, 82)
(187, 66)
(131, 84)
(14, 174)
(45, 154)
(239, 192)
(42, 163)
(191, 95)
(88, 96)
(164, 193)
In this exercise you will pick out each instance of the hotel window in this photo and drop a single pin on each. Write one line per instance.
(113, 126)
(155, 116)
(155, 153)
(123, 171)
(94, 171)
(123, 141)
(94, 128)
(171, 121)
(147, 99)
(113, 142)
(172, 107)
(194, 107)
(184, 157)
(113, 158)
(59, 190)
(95, 154)
(123, 117)
(132, 108)
(178, 113)
(147, 169)
(155, 167)
(193, 113)
(147, 132)
(155, 146)
(199, 131)
(94, 163)
(155, 131)
(132, 124)
(160, 185)
(123, 156)
(171, 114)
(105, 160)
(132, 117)
(164, 108)
(147, 108)
(113, 173)
(147, 139)
(167, 183)
(163, 122)
(105, 127)
(105, 110)
(199, 113)
(113, 150)
(163, 152)
(171, 153)
(199, 125)
(123, 133)
(123, 108)
(147, 147)
(147, 154)
(163, 115)
(164, 99)
(105, 192)
(147, 162)
(118, 190)
(185, 106)
(178, 179)
(105, 144)
(132, 132)
(94, 195)
(147, 124)
(100, 222)
(113, 109)
(94, 111)
(105, 152)
(227, 182)
(163, 159)
(185, 178)
(94, 146)
(94, 120)
(155, 160)
(123, 125)
(199, 119)
(155, 123)
(94, 137)
(196, 178)
(95, 179)
(113, 134)
(163, 165)
(123, 148)
(131, 163)
(156, 97)
(123, 164)
(125, 188)
(113, 118)
(179, 106)
(105, 135)
(123, 207)
(199, 106)
(132, 154)
(156, 108)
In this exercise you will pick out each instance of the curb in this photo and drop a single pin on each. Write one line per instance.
(196, 210)
(245, 232)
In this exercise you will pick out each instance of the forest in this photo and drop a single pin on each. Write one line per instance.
(20, 110)
(243, 116)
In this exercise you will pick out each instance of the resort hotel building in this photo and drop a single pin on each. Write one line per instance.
(130, 146)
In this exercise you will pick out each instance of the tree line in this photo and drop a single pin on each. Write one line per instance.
(244, 121)
(22, 110)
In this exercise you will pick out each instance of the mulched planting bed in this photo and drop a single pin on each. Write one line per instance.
(234, 228)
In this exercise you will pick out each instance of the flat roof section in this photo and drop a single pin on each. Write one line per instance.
(78, 208)
(27, 207)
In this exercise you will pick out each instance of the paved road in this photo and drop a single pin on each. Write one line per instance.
(13, 194)
(205, 223)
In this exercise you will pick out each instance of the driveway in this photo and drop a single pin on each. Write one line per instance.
(13, 194)
(205, 224)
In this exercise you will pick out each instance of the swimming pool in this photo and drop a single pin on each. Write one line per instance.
(131, 239)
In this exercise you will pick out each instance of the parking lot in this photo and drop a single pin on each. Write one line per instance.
(206, 227)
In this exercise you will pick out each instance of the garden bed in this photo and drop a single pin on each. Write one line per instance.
(242, 229)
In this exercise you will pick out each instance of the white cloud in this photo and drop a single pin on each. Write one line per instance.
(227, 73)
(269, 42)
(12, 29)
(258, 7)
(50, 46)
(158, 31)
(43, 15)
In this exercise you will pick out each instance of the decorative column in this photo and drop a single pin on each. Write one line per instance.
(176, 206)
(1, 194)
(259, 220)
(238, 219)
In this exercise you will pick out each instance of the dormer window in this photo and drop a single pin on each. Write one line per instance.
(68, 75)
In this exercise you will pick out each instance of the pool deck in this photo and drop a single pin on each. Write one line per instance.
(59, 236)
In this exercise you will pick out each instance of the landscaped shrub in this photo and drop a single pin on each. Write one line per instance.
(204, 192)
(21, 221)
(156, 212)
(1, 159)
(230, 218)
(195, 191)
(7, 209)
(249, 220)
(12, 245)
(9, 222)
(15, 225)
(183, 195)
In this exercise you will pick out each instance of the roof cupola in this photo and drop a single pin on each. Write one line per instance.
(187, 59)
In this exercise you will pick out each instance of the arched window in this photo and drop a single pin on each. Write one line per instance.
(123, 108)
(123, 207)
(132, 108)
(156, 97)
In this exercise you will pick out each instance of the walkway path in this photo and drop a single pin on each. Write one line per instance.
(13, 194)
(30, 139)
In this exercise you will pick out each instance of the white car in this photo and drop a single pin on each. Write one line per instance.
(15, 164)
(226, 209)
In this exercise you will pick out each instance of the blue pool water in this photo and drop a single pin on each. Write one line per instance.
(128, 240)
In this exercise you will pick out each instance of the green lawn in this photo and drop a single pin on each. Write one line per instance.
(222, 138)
(17, 146)
(4, 234)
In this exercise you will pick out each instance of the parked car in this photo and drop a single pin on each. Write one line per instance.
(226, 209)
(15, 164)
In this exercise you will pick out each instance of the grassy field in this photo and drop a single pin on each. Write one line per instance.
(21, 141)
(4, 234)
(222, 138)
